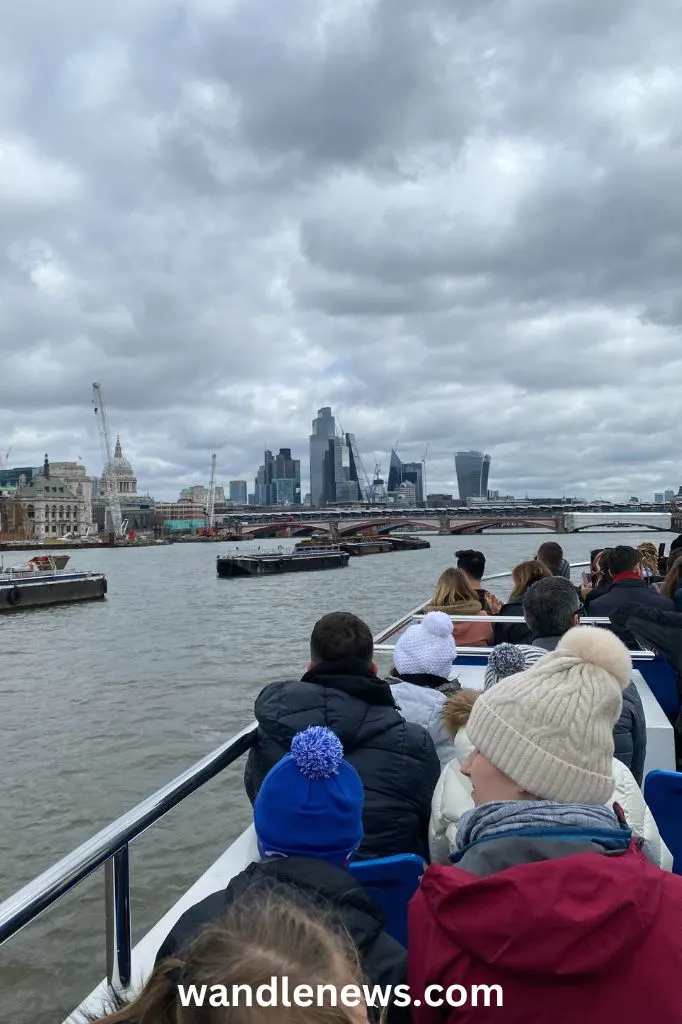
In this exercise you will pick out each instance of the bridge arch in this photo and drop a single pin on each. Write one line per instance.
(481, 525)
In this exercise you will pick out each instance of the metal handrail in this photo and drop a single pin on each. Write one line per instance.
(110, 847)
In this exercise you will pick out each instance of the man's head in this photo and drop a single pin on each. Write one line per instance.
(623, 558)
(341, 635)
(472, 563)
(551, 554)
(551, 606)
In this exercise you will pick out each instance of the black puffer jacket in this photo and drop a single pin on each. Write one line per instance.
(395, 759)
(331, 889)
(512, 632)
(621, 593)
(629, 735)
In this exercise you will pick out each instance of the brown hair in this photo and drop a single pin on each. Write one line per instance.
(649, 555)
(452, 587)
(600, 572)
(341, 635)
(551, 554)
(673, 580)
(262, 935)
(526, 573)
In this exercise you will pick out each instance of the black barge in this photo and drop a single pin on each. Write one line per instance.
(43, 581)
(274, 563)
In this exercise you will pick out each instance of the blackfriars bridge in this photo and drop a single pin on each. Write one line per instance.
(337, 527)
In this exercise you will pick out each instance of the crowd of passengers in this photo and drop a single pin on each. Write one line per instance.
(544, 870)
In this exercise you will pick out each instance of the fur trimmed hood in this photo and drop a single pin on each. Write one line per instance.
(457, 710)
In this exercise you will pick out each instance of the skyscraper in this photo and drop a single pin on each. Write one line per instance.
(341, 484)
(400, 472)
(278, 481)
(324, 429)
(238, 492)
(472, 470)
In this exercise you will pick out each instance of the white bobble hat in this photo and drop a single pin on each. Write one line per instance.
(427, 648)
(550, 728)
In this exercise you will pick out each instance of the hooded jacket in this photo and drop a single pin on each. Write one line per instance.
(452, 795)
(568, 932)
(467, 634)
(420, 700)
(395, 759)
(383, 959)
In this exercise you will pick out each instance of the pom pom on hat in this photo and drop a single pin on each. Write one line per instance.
(426, 648)
(317, 752)
(310, 803)
(600, 648)
(503, 661)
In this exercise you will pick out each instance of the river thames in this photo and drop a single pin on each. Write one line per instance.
(102, 703)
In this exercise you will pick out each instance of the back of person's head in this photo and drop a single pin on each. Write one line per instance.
(341, 635)
(453, 586)
(526, 573)
(426, 648)
(648, 554)
(551, 606)
(503, 661)
(548, 731)
(262, 936)
(471, 562)
(310, 803)
(623, 558)
(673, 580)
(551, 554)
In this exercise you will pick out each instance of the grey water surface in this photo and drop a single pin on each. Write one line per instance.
(100, 704)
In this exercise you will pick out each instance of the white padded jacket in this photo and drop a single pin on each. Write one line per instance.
(424, 706)
(452, 797)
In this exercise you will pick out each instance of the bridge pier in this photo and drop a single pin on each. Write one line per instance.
(444, 527)
(559, 524)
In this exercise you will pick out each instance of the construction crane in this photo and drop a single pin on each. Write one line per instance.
(112, 496)
(4, 461)
(210, 505)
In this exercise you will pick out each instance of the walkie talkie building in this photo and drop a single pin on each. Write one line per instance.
(472, 470)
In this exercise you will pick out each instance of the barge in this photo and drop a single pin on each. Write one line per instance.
(409, 543)
(44, 580)
(366, 547)
(274, 563)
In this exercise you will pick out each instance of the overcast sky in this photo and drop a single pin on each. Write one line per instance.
(457, 222)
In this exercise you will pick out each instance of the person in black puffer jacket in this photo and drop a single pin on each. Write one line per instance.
(395, 759)
(523, 575)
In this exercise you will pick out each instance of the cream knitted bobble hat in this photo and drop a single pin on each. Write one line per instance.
(550, 728)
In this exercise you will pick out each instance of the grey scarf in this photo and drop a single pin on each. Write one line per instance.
(542, 817)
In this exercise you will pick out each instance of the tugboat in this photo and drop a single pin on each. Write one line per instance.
(272, 563)
(44, 580)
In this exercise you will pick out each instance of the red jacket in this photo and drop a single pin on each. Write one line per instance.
(586, 938)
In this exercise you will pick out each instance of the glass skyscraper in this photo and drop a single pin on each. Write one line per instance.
(324, 429)
(472, 470)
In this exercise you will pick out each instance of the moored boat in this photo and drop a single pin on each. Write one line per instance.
(44, 580)
(366, 547)
(408, 543)
(274, 563)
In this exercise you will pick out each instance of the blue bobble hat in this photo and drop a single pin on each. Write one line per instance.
(310, 803)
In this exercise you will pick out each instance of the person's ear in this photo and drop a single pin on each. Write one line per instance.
(374, 668)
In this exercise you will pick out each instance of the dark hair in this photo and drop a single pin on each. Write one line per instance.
(551, 554)
(341, 635)
(623, 558)
(673, 580)
(549, 606)
(472, 562)
(262, 935)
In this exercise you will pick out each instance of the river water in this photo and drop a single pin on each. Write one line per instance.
(103, 703)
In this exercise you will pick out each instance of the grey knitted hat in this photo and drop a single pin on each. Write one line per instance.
(504, 660)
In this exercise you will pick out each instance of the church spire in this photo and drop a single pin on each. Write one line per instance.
(118, 454)
(46, 467)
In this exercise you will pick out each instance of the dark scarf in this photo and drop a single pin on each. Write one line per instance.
(424, 679)
(354, 677)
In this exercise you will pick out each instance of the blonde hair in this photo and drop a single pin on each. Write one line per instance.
(526, 573)
(453, 587)
(262, 935)
(649, 556)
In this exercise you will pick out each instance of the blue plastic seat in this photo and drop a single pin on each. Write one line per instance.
(661, 678)
(391, 882)
(663, 794)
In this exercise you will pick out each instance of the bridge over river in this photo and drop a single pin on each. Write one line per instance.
(377, 525)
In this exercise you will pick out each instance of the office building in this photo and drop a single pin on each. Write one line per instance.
(278, 481)
(238, 492)
(659, 498)
(341, 484)
(472, 470)
(324, 430)
(669, 495)
(400, 472)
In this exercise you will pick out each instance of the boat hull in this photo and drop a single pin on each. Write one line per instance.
(359, 548)
(17, 595)
(235, 566)
(409, 543)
